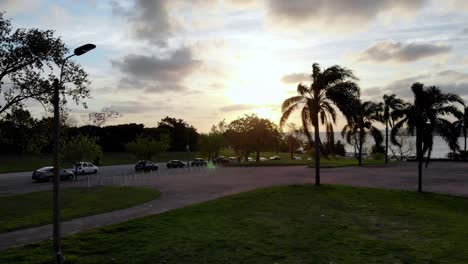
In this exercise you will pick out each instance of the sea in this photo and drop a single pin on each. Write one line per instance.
(439, 150)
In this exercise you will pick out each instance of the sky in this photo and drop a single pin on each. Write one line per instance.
(209, 60)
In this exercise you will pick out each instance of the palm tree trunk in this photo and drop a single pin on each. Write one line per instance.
(258, 156)
(361, 139)
(386, 142)
(317, 152)
(419, 157)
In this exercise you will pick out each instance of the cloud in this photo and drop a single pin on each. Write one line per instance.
(327, 15)
(397, 52)
(137, 106)
(464, 31)
(156, 74)
(295, 78)
(449, 81)
(236, 107)
(148, 20)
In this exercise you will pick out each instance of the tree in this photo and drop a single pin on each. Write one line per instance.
(252, 134)
(80, 148)
(360, 122)
(404, 148)
(332, 86)
(392, 106)
(147, 148)
(100, 118)
(425, 117)
(293, 139)
(27, 59)
(461, 125)
(181, 134)
(212, 143)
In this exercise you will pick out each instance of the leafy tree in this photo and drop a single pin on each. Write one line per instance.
(27, 59)
(425, 117)
(212, 143)
(360, 122)
(147, 148)
(392, 106)
(252, 134)
(331, 86)
(293, 139)
(340, 148)
(461, 125)
(181, 134)
(100, 118)
(80, 148)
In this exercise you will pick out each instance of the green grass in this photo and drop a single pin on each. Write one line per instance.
(294, 224)
(34, 209)
(324, 163)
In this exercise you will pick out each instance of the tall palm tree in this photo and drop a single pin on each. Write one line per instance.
(425, 118)
(461, 125)
(360, 122)
(392, 106)
(332, 86)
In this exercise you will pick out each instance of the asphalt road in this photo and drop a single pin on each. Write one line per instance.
(21, 182)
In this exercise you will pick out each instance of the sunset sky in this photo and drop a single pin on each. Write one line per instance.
(206, 60)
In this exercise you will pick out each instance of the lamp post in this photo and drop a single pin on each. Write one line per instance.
(57, 84)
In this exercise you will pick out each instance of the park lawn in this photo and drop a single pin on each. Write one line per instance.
(35, 209)
(324, 163)
(290, 224)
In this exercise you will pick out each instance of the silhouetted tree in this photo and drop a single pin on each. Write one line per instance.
(360, 122)
(293, 139)
(80, 148)
(146, 148)
(212, 143)
(25, 55)
(100, 118)
(332, 86)
(392, 106)
(425, 118)
(461, 125)
(181, 134)
(252, 134)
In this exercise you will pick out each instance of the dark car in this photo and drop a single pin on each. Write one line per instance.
(198, 162)
(221, 160)
(47, 174)
(175, 164)
(146, 165)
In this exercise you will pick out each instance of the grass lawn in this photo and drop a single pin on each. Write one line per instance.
(34, 209)
(324, 163)
(294, 224)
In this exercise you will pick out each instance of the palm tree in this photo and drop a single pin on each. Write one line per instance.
(361, 121)
(461, 125)
(392, 106)
(329, 87)
(425, 117)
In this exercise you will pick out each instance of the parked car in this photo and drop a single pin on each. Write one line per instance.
(231, 159)
(47, 174)
(275, 158)
(221, 160)
(297, 158)
(198, 162)
(146, 165)
(250, 159)
(263, 159)
(85, 168)
(175, 164)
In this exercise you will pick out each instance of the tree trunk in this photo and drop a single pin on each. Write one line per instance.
(258, 156)
(464, 135)
(419, 157)
(317, 152)
(291, 151)
(360, 148)
(386, 142)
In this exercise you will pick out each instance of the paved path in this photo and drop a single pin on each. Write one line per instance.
(180, 189)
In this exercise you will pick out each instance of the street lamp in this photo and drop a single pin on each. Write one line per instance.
(57, 84)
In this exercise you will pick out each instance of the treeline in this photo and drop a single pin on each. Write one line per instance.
(20, 133)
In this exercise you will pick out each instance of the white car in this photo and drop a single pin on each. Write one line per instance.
(297, 158)
(85, 168)
(263, 159)
(250, 159)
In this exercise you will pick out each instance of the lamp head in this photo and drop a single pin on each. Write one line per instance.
(83, 49)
